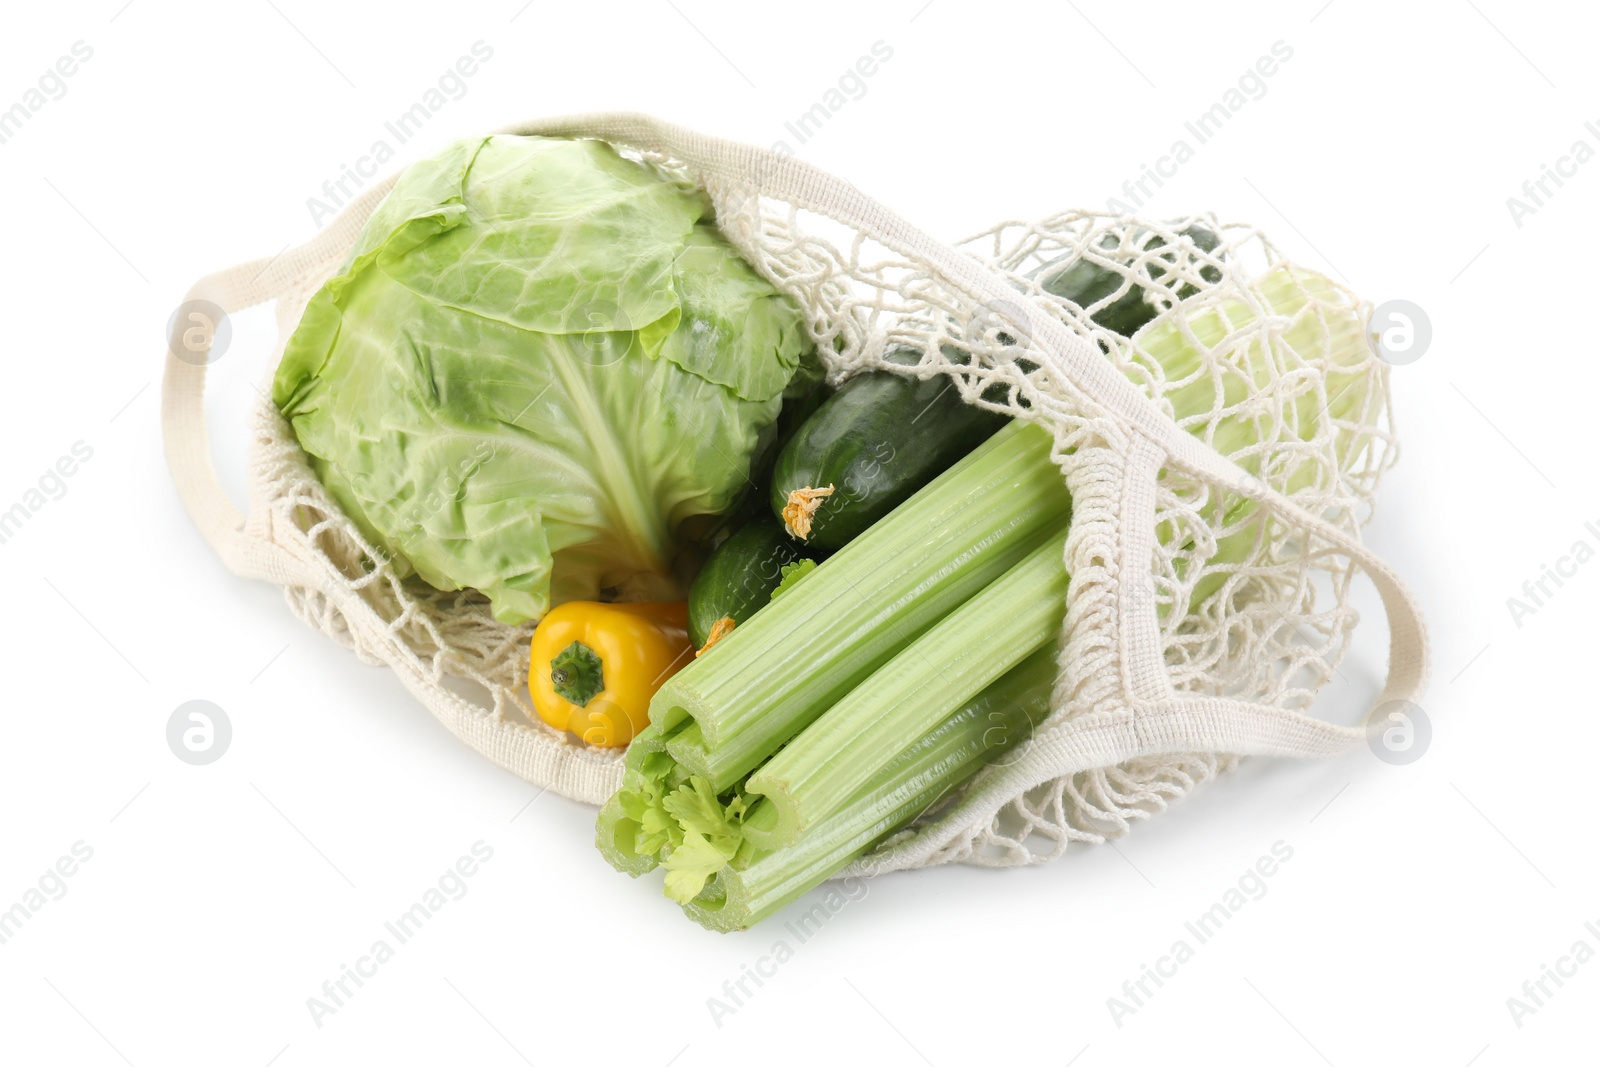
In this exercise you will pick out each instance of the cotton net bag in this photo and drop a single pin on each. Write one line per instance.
(1210, 593)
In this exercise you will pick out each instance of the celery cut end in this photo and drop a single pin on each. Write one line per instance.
(615, 836)
(781, 824)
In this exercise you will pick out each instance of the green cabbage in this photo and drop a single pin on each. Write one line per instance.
(539, 361)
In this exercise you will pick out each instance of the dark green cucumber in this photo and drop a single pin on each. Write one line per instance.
(740, 575)
(1086, 283)
(876, 441)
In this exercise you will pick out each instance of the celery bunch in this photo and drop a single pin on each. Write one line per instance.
(842, 711)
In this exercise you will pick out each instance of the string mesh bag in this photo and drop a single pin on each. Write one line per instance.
(1220, 462)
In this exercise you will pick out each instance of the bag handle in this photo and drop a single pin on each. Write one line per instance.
(183, 387)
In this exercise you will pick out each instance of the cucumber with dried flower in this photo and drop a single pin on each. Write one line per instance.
(868, 448)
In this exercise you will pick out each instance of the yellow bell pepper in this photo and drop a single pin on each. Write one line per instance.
(594, 667)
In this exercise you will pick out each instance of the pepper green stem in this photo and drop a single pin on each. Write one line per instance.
(575, 674)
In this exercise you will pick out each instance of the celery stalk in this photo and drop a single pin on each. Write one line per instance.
(822, 769)
(759, 883)
(727, 711)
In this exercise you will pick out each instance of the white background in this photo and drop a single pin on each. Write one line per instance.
(219, 898)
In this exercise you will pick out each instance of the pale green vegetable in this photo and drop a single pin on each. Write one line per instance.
(540, 361)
